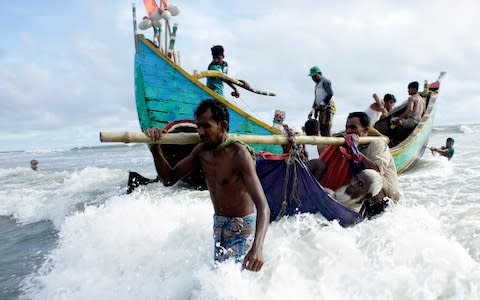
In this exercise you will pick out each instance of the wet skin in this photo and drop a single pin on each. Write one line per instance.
(230, 176)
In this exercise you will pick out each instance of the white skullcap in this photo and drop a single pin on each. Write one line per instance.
(296, 129)
(375, 179)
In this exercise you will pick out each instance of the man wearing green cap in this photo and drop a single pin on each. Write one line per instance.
(323, 106)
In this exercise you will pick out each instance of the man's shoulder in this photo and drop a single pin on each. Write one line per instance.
(326, 81)
(378, 145)
(416, 97)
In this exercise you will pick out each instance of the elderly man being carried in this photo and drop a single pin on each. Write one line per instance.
(367, 184)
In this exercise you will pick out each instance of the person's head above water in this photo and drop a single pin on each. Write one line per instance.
(34, 164)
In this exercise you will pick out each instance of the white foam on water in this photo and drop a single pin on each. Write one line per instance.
(30, 196)
(466, 129)
(157, 244)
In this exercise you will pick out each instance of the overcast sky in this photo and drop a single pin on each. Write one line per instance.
(66, 68)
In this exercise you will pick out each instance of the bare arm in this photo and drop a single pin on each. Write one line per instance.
(410, 105)
(442, 151)
(379, 103)
(253, 261)
(167, 174)
(235, 92)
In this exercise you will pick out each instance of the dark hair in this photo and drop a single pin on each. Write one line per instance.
(217, 50)
(450, 140)
(389, 97)
(311, 127)
(363, 117)
(218, 109)
(413, 84)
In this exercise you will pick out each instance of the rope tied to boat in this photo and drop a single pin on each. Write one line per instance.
(293, 156)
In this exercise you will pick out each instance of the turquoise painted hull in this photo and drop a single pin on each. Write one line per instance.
(407, 153)
(164, 93)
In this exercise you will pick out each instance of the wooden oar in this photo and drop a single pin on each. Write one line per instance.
(223, 77)
(193, 138)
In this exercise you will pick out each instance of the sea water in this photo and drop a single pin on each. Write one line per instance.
(69, 231)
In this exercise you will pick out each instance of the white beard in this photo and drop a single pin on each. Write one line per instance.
(353, 203)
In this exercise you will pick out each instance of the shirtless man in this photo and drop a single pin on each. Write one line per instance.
(232, 181)
(415, 108)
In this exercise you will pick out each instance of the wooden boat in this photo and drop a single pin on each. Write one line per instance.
(410, 150)
(166, 95)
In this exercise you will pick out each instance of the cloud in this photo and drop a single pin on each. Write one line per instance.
(70, 71)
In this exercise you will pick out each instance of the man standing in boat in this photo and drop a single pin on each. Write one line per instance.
(219, 64)
(232, 181)
(323, 106)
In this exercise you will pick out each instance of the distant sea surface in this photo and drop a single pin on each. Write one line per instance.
(69, 231)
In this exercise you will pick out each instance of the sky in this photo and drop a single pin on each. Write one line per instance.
(66, 68)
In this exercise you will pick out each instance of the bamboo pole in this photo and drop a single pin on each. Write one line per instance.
(134, 16)
(168, 31)
(193, 138)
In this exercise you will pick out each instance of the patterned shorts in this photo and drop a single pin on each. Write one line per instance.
(233, 237)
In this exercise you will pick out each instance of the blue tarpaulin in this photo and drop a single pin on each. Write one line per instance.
(290, 189)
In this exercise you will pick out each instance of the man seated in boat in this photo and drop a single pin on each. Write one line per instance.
(241, 209)
(367, 184)
(375, 155)
(380, 107)
(446, 150)
(403, 124)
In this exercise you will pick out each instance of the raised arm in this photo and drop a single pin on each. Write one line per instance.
(253, 261)
(380, 104)
(167, 174)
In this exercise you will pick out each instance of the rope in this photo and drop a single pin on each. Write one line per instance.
(290, 161)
